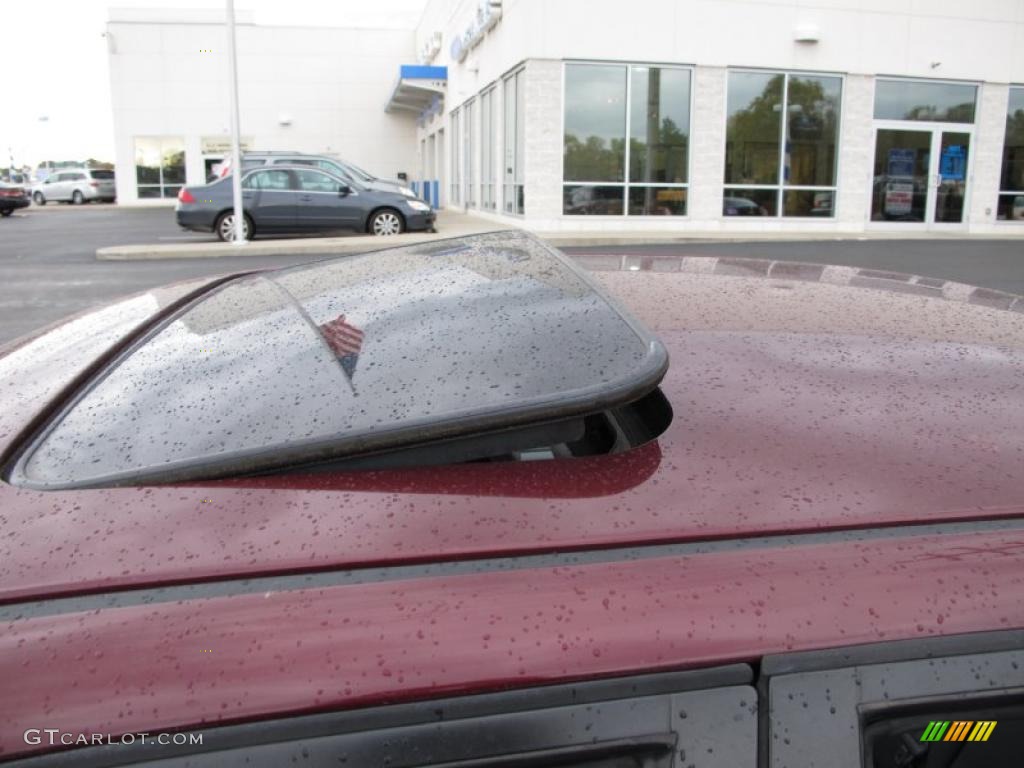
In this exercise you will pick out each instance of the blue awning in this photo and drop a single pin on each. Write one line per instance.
(417, 88)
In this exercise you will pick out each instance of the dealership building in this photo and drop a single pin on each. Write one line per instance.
(820, 116)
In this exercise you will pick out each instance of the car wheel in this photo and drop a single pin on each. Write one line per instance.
(387, 222)
(77, 198)
(6, 212)
(225, 227)
(38, 198)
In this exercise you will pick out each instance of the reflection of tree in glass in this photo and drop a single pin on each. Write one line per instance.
(958, 113)
(174, 166)
(752, 138)
(812, 112)
(594, 159)
(664, 159)
(1013, 152)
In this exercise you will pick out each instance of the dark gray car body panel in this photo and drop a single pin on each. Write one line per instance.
(295, 210)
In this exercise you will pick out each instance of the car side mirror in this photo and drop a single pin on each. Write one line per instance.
(344, 190)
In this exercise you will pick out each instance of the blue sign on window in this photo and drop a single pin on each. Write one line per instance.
(901, 162)
(953, 163)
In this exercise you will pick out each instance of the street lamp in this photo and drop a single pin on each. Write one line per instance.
(49, 170)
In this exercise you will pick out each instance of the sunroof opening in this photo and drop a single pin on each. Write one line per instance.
(490, 347)
(613, 431)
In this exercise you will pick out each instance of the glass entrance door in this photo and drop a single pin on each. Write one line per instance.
(951, 178)
(920, 176)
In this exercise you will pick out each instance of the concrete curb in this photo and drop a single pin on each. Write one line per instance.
(458, 225)
(212, 250)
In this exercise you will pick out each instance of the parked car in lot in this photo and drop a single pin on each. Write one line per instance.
(299, 199)
(76, 185)
(12, 197)
(462, 504)
(341, 168)
(17, 178)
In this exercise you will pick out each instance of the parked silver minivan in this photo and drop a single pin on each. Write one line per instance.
(76, 185)
(346, 170)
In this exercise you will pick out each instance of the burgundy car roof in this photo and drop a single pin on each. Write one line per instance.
(805, 405)
(798, 406)
(184, 663)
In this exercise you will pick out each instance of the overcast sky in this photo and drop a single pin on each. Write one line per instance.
(61, 71)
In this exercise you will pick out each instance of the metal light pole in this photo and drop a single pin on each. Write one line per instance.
(43, 119)
(236, 150)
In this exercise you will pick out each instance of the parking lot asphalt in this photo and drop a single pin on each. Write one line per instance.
(48, 267)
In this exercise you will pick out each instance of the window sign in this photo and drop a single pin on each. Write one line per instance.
(899, 198)
(952, 163)
(488, 13)
(901, 162)
(221, 145)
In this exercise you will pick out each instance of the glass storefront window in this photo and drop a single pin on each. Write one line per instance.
(595, 122)
(1011, 179)
(657, 201)
(456, 181)
(659, 104)
(605, 103)
(782, 132)
(922, 100)
(147, 161)
(520, 164)
(467, 127)
(739, 201)
(514, 141)
(807, 202)
(159, 166)
(753, 128)
(592, 200)
(812, 113)
(487, 197)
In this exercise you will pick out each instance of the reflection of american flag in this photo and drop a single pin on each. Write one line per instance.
(345, 340)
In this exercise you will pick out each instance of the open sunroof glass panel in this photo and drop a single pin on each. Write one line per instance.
(350, 356)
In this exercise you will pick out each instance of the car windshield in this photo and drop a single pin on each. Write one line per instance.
(103, 175)
(365, 175)
(351, 356)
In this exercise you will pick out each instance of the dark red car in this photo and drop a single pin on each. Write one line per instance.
(451, 505)
(12, 197)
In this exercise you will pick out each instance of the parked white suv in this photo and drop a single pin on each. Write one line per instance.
(76, 185)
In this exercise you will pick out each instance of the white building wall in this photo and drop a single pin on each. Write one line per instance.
(981, 42)
(855, 160)
(171, 79)
(978, 40)
(707, 146)
(543, 145)
(988, 157)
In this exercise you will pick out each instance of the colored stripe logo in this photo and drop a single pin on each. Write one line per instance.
(959, 730)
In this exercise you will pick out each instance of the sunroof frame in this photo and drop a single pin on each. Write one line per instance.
(551, 409)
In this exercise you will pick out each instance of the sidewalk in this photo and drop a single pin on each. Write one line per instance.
(448, 225)
(454, 224)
